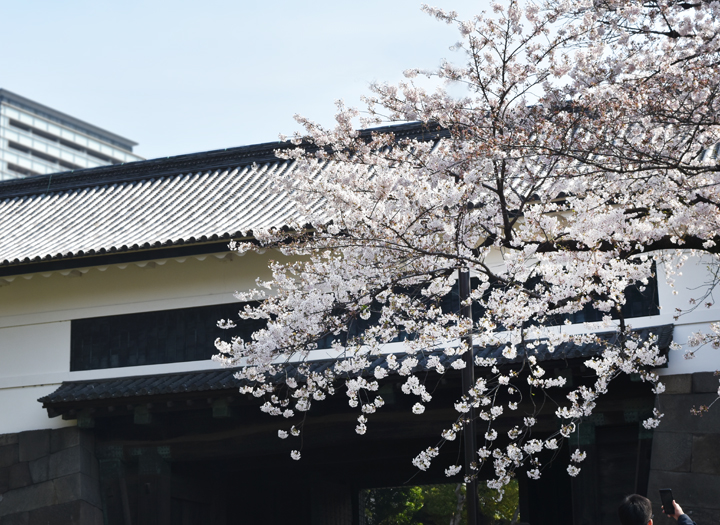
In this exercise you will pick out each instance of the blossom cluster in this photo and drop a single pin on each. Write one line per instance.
(566, 175)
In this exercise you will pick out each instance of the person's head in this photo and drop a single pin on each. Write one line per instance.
(635, 510)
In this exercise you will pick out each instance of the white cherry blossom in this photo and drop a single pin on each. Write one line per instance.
(577, 163)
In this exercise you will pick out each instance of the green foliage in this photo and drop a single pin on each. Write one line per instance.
(441, 503)
(392, 506)
(436, 505)
(500, 512)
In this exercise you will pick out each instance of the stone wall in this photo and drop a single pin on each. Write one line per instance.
(686, 449)
(49, 477)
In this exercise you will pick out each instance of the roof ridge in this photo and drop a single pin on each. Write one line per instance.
(178, 164)
(141, 170)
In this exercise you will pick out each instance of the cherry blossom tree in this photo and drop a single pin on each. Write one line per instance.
(577, 160)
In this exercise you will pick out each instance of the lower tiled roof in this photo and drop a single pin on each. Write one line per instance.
(125, 387)
(218, 380)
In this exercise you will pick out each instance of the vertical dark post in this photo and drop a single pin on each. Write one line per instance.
(468, 381)
(154, 497)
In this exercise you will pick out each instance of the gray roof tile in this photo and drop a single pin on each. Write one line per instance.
(145, 205)
(169, 210)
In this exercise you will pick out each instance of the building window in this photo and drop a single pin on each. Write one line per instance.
(152, 338)
(20, 170)
(188, 334)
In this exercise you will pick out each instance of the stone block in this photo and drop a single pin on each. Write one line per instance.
(691, 490)
(679, 419)
(704, 382)
(72, 460)
(78, 487)
(8, 439)
(705, 457)
(672, 451)
(8, 455)
(27, 498)
(73, 513)
(68, 437)
(19, 475)
(39, 469)
(4, 479)
(20, 518)
(677, 384)
(34, 444)
(65, 462)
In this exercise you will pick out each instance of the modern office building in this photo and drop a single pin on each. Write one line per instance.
(37, 140)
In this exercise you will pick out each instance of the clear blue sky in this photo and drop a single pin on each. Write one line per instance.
(180, 76)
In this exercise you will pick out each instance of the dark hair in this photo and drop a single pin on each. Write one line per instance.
(635, 510)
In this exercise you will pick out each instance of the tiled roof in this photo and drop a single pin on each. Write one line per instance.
(125, 387)
(204, 204)
(214, 380)
(146, 205)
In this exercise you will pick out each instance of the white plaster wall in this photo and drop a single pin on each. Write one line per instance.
(20, 410)
(36, 312)
(45, 347)
(691, 282)
(120, 289)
